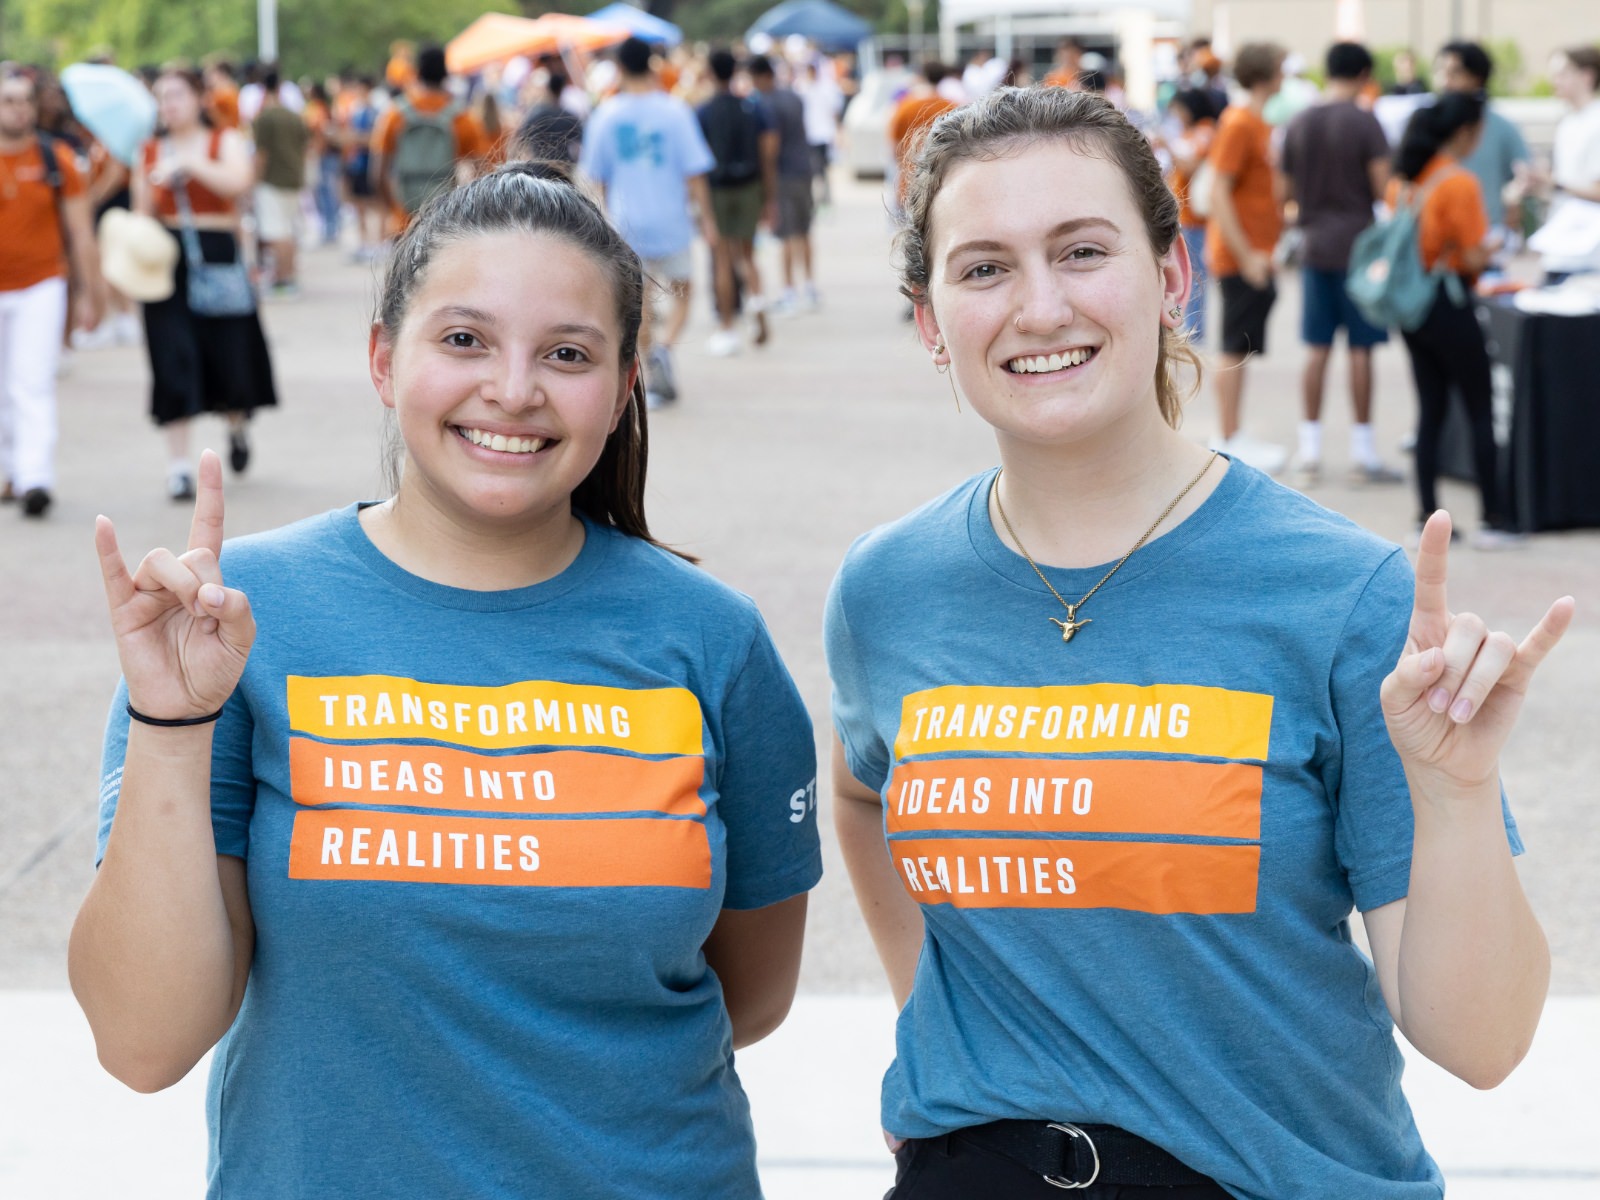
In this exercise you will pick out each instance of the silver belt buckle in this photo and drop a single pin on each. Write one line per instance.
(1072, 1131)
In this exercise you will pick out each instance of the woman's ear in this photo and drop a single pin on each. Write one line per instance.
(928, 332)
(1177, 276)
(624, 394)
(380, 361)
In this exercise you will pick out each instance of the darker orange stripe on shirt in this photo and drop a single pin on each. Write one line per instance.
(1076, 795)
(351, 844)
(1060, 873)
(557, 781)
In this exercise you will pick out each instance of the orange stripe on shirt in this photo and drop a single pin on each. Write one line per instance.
(1075, 795)
(1060, 873)
(559, 781)
(350, 844)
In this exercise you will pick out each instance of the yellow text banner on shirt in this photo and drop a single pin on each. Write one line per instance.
(531, 713)
(1164, 718)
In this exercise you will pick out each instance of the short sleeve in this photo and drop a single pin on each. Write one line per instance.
(1373, 823)
(1516, 147)
(767, 783)
(865, 752)
(693, 150)
(1468, 220)
(233, 783)
(386, 133)
(1376, 145)
(471, 137)
(72, 184)
(595, 158)
(1231, 149)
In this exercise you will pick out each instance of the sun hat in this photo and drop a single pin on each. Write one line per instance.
(137, 255)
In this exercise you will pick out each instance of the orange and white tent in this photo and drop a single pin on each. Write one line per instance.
(498, 37)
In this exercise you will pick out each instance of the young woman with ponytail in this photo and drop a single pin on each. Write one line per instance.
(472, 827)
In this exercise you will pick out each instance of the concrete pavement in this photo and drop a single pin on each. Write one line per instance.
(70, 1132)
(768, 468)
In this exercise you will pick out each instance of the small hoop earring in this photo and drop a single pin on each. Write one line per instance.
(944, 369)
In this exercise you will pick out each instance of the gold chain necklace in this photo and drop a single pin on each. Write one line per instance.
(1071, 625)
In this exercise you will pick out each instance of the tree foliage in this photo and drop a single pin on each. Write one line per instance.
(314, 36)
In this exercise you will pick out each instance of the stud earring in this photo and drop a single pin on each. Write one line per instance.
(1175, 312)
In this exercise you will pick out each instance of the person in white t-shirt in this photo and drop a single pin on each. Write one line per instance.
(1574, 176)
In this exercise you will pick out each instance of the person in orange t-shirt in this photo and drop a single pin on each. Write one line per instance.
(1246, 218)
(918, 108)
(428, 98)
(222, 95)
(1447, 350)
(401, 71)
(1068, 65)
(40, 225)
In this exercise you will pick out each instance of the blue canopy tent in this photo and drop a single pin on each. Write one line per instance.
(828, 25)
(640, 23)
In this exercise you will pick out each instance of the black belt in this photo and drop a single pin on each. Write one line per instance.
(1076, 1156)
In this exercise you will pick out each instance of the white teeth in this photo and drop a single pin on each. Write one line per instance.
(1043, 364)
(502, 443)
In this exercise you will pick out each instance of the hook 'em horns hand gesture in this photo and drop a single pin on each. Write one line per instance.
(182, 636)
(1451, 700)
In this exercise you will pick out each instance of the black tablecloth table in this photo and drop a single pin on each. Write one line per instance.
(1547, 416)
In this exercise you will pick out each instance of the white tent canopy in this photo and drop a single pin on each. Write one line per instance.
(964, 12)
(1132, 21)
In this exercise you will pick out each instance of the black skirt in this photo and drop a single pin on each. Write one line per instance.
(205, 364)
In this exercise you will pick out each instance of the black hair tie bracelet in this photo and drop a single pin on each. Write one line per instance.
(174, 723)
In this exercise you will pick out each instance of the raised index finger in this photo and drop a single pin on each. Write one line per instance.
(1433, 561)
(205, 531)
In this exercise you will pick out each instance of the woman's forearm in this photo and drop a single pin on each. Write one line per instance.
(893, 917)
(152, 958)
(1474, 966)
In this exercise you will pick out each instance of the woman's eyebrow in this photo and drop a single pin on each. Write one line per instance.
(465, 313)
(1066, 227)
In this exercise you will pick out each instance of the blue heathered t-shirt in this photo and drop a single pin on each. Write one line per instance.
(644, 148)
(1137, 853)
(486, 836)
(1493, 161)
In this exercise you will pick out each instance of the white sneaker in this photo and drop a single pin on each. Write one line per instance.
(1263, 456)
(128, 329)
(810, 301)
(98, 338)
(1488, 538)
(724, 343)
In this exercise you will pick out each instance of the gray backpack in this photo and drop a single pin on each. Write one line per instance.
(425, 154)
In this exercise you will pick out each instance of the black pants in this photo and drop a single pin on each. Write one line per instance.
(949, 1168)
(1448, 351)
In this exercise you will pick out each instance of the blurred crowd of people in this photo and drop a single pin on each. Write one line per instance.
(1270, 171)
(1274, 173)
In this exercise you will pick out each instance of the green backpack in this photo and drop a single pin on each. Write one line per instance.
(425, 154)
(1387, 282)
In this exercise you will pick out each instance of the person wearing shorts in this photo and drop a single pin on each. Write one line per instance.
(645, 150)
(281, 139)
(1336, 163)
(1246, 218)
(796, 200)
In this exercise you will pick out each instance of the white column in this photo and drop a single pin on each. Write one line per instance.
(1136, 54)
(267, 30)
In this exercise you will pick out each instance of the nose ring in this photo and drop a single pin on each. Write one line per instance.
(1018, 323)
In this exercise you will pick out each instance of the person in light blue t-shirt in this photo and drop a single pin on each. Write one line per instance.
(481, 856)
(646, 151)
(1127, 731)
